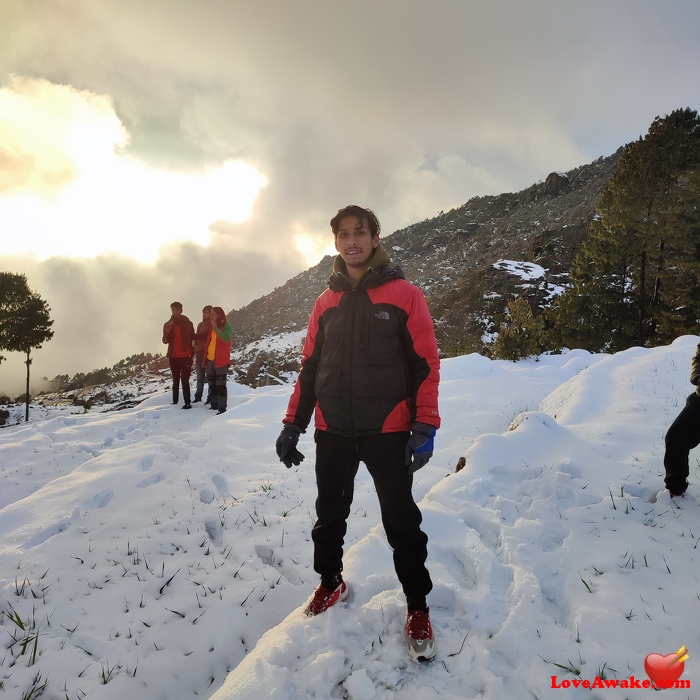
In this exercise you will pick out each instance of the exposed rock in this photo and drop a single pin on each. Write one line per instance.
(556, 184)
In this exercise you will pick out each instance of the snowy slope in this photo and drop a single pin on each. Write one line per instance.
(151, 551)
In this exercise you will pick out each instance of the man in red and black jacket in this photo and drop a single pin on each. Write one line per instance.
(370, 372)
(178, 335)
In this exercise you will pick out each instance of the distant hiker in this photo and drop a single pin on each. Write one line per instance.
(370, 369)
(178, 334)
(200, 350)
(683, 436)
(218, 358)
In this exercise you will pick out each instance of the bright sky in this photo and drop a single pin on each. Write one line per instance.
(73, 189)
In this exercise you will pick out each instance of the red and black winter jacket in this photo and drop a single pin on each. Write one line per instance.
(370, 361)
(186, 336)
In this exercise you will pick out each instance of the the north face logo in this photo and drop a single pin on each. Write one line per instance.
(382, 315)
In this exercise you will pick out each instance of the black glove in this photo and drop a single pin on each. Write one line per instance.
(286, 446)
(419, 448)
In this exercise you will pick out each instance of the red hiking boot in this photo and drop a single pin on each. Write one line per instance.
(419, 633)
(323, 599)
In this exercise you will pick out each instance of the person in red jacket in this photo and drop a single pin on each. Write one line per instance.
(217, 359)
(370, 372)
(178, 335)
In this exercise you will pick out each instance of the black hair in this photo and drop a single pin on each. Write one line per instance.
(220, 316)
(361, 213)
(176, 305)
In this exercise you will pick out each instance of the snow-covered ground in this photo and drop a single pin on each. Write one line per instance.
(530, 272)
(105, 397)
(525, 270)
(157, 553)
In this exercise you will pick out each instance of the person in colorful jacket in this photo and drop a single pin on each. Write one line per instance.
(370, 372)
(178, 335)
(217, 358)
(683, 436)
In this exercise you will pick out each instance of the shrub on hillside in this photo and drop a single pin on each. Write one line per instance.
(520, 335)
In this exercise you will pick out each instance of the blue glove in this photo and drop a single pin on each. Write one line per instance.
(419, 448)
(286, 446)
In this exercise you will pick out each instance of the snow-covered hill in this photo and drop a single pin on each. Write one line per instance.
(158, 553)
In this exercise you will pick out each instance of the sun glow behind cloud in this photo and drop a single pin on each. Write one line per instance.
(68, 186)
(312, 249)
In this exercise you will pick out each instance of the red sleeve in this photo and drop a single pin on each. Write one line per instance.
(421, 330)
(303, 399)
(420, 346)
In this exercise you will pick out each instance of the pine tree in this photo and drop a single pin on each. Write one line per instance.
(635, 279)
(678, 306)
(520, 334)
(25, 322)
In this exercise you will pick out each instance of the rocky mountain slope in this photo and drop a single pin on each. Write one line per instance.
(470, 262)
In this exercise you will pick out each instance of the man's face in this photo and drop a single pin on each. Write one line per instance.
(206, 315)
(176, 312)
(354, 241)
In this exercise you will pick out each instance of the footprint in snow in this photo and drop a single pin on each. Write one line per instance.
(146, 463)
(149, 481)
(206, 495)
(646, 493)
(90, 450)
(98, 501)
(501, 579)
(46, 534)
(220, 483)
(458, 564)
(265, 554)
(215, 530)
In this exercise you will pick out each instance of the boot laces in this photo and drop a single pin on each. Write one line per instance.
(418, 625)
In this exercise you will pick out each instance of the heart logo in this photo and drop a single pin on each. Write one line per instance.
(664, 671)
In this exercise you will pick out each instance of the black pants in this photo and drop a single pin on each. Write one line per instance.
(216, 378)
(337, 462)
(181, 367)
(681, 437)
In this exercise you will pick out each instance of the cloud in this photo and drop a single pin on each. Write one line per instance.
(67, 186)
(360, 101)
(109, 307)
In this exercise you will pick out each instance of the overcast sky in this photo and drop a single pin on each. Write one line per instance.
(171, 149)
